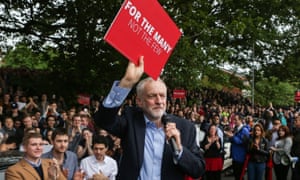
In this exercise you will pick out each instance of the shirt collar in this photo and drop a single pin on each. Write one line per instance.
(96, 161)
(240, 127)
(33, 164)
(65, 155)
(146, 119)
(149, 123)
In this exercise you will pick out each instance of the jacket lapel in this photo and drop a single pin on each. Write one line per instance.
(139, 130)
(45, 166)
(27, 167)
(164, 160)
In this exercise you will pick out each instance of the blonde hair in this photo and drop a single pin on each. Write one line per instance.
(29, 136)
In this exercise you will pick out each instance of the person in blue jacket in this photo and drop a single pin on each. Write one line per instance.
(239, 140)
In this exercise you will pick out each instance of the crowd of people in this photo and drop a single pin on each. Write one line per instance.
(123, 136)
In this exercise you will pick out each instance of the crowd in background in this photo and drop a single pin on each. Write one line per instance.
(214, 113)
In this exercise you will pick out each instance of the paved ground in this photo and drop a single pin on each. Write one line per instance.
(228, 163)
(230, 177)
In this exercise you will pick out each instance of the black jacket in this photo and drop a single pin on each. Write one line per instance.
(131, 128)
(261, 154)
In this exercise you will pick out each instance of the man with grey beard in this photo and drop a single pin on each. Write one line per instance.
(152, 149)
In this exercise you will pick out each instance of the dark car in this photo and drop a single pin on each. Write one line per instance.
(7, 159)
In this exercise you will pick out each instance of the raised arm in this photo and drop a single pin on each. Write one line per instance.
(105, 117)
(132, 74)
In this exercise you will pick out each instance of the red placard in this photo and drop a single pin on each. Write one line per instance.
(142, 27)
(297, 95)
(179, 93)
(83, 99)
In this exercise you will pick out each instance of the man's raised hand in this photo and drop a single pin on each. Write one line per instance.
(133, 74)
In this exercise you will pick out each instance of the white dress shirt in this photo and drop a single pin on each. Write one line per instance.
(108, 167)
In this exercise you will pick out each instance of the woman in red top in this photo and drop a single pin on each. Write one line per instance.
(212, 154)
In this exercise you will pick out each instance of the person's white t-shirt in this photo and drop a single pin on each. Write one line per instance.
(108, 167)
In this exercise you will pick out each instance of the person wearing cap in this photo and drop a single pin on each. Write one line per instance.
(14, 112)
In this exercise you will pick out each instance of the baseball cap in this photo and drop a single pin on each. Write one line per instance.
(14, 105)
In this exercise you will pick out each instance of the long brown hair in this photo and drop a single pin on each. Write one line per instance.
(261, 129)
(285, 129)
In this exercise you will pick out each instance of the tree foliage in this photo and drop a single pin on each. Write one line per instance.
(244, 33)
(75, 30)
(240, 32)
(275, 91)
(288, 70)
(23, 57)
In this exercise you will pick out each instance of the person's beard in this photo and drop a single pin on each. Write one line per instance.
(154, 114)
